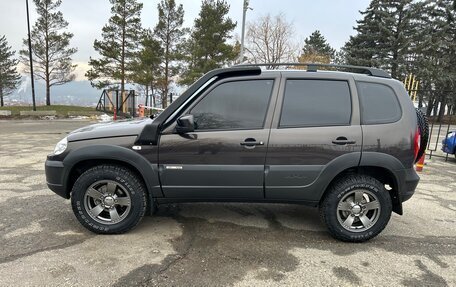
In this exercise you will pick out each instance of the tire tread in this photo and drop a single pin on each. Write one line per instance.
(345, 183)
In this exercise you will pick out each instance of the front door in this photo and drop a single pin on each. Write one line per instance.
(224, 157)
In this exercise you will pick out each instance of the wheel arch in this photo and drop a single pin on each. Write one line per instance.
(383, 174)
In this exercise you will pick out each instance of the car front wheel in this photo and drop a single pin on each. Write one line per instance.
(109, 199)
(356, 208)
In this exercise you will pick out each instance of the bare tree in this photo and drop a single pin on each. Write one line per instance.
(270, 40)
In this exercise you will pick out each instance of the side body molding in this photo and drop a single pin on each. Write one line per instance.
(313, 191)
(148, 171)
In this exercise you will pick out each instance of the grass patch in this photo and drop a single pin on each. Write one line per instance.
(62, 110)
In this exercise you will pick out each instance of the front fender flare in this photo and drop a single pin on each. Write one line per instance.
(147, 170)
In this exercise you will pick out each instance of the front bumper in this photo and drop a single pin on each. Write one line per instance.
(54, 177)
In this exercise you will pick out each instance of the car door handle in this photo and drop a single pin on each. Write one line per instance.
(251, 142)
(343, 141)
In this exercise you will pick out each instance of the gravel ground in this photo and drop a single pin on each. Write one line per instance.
(211, 244)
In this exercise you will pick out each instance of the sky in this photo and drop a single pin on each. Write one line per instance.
(334, 18)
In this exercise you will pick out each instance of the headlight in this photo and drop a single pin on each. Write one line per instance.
(61, 146)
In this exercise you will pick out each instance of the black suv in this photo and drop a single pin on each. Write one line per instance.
(345, 142)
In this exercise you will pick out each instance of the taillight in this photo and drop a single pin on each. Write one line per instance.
(417, 142)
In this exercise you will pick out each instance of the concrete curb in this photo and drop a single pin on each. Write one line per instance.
(38, 113)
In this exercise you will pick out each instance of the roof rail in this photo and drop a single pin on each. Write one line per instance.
(312, 67)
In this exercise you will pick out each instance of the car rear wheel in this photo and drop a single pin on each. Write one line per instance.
(109, 199)
(356, 208)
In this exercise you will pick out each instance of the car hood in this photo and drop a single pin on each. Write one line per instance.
(111, 129)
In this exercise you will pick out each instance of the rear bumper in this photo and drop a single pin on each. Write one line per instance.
(54, 177)
(411, 180)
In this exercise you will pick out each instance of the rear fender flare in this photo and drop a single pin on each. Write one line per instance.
(388, 162)
(355, 160)
(332, 170)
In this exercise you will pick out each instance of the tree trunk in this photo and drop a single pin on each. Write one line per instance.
(122, 61)
(394, 64)
(46, 63)
(442, 110)
(48, 93)
(165, 90)
(430, 105)
(152, 94)
(435, 106)
(1, 96)
(147, 96)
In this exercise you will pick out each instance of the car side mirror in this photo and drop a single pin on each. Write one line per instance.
(185, 124)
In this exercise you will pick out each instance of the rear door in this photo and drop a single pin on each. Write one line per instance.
(224, 157)
(316, 121)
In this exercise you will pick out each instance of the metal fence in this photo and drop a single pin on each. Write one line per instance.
(440, 110)
(113, 100)
(440, 136)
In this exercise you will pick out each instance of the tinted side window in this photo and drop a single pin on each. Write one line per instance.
(234, 105)
(379, 103)
(316, 103)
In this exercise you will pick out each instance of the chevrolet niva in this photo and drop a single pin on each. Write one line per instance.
(343, 141)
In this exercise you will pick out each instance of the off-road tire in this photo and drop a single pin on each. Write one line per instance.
(423, 126)
(329, 207)
(128, 179)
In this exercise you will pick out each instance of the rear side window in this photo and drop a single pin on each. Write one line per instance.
(379, 104)
(234, 105)
(316, 103)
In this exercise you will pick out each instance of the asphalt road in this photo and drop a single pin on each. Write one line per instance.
(210, 244)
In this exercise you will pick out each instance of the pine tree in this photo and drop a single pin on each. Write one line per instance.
(434, 52)
(362, 48)
(50, 47)
(207, 47)
(316, 50)
(119, 46)
(397, 31)
(340, 57)
(383, 36)
(146, 67)
(170, 33)
(9, 78)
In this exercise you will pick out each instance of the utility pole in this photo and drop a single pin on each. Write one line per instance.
(30, 56)
(246, 6)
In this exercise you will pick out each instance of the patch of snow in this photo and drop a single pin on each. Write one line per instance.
(104, 118)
